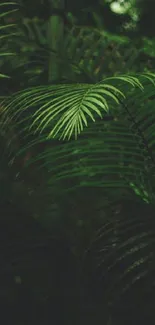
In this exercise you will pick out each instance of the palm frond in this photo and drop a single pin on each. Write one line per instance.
(5, 30)
(77, 103)
(98, 53)
(114, 154)
(121, 257)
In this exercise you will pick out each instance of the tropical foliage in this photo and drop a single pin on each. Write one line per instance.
(79, 154)
(5, 32)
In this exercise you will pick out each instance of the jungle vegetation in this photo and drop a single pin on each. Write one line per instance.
(77, 162)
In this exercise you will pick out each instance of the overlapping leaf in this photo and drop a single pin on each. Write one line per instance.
(5, 30)
(107, 154)
(121, 255)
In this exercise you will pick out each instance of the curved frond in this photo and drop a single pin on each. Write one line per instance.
(121, 256)
(112, 154)
(5, 30)
(98, 53)
(66, 109)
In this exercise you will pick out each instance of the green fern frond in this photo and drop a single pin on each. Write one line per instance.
(114, 154)
(5, 30)
(98, 53)
(71, 105)
(121, 254)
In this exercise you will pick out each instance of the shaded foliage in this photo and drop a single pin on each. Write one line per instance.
(75, 187)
